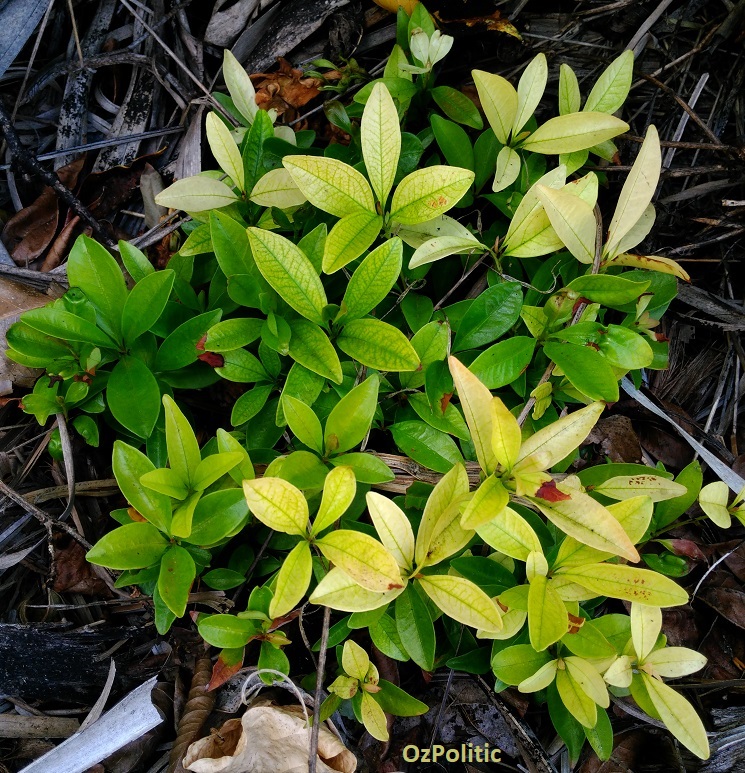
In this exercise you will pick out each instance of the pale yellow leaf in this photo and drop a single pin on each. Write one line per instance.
(713, 499)
(547, 615)
(646, 623)
(612, 87)
(462, 600)
(373, 717)
(657, 488)
(580, 705)
(569, 95)
(239, 85)
(225, 150)
(277, 189)
(511, 534)
(339, 591)
(499, 101)
(277, 504)
(429, 192)
(380, 135)
(572, 132)
(508, 169)
(573, 220)
(339, 490)
(674, 662)
(354, 660)
(541, 679)
(393, 527)
(293, 579)
(487, 502)
(651, 263)
(620, 672)
(196, 194)
(530, 89)
(441, 247)
(506, 434)
(588, 679)
(363, 558)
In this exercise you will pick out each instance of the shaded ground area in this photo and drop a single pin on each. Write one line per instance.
(111, 96)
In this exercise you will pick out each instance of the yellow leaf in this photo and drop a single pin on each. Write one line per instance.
(646, 623)
(650, 262)
(380, 135)
(462, 600)
(634, 515)
(655, 487)
(679, 716)
(588, 679)
(330, 185)
(373, 717)
(577, 702)
(612, 87)
(536, 565)
(530, 89)
(429, 192)
(588, 521)
(547, 615)
(293, 579)
(349, 238)
(339, 490)
(196, 194)
(448, 537)
(499, 101)
(393, 527)
(572, 132)
(363, 558)
(713, 499)
(506, 434)
(569, 94)
(570, 591)
(637, 234)
(225, 150)
(513, 621)
(487, 503)
(277, 504)
(511, 534)
(620, 672)
(627, 583)
(637, 191)
(448, 493)
(354, 660)
(442, 246)
(277, 189)
(339, 591)
(674, 662)
(239, 85)
(508, 169)
(541, 679)
(573, 220)
(476, 400)
(563, 436)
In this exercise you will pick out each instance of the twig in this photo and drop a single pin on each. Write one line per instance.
(32, 166)
(313, 752)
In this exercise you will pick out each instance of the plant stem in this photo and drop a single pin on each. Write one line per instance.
(313, 757)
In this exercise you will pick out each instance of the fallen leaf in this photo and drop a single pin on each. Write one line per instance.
(617, 439)
(285, 90)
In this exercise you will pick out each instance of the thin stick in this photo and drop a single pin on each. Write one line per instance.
(319, 691)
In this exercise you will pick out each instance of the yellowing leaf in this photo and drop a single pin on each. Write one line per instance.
(339, 591)
(293, 579)
(627, 583)
(634, 515)
(646, 623)
(443, 246)
(576, 131)
(541, 679)
(569, 96)
(416, 234)
(588, 679)
(354, 660)
(506, 434)
(373, 717)
(488, 501)
(289, 272)
(536, 565)
(573, 220)
(239, 85)
(446, 495)
(330, 185)
(462, 600)
(225, 150)
(378, 345)
(508, 169)
(530, 89)
(349, 238)
(547, 615)
(393, 528)
(638, 231)
(499, 101)
(650, 262)
(679, 716)
(674, 662)
(277, 504)
(476, 400)
(363, 558)
(637, 191)
(588, 521)
(429, 192)
(578, 703)
(655, 487)
(511, 534)
(563, 436)
(620, 672)
(196, 194)
(448, 538)
(612, 87)
(713, 499)
(570, 591)
(380, 134)
(277, 189)
(339, 490)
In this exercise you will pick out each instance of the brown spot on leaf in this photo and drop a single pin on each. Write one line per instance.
(549, 492)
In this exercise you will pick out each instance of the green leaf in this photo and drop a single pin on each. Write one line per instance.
(504, 362)
(367, 468)
(515, 664)
(217, 516)
(313, 243)
(569, 95)
(133, 396)
(491, 315)
(213, 467)
(230, 245)
(133, 546)
(250, 403)
(624, 348)
(225, 151)
(350, 419)
(303, 423)
(377, 345)
(453, 142)
(609, 290)
(429, 192)
(62, 324)
(576, 131)
(415, 628)
(289, 272)
(380, 137)
(227, 631)
(183, 449)
(431, 343)
(232, 334)
(145, 304)
(384, 635)
(612, 87)
(223, 579)
(129, 465)
(310, 347)
(292, 580)
(241, 366)
(373, 279)
(570, 731)
(135, 261)
(457, 106)
(666, 512)
(450, 421)
(91, 268)
(180, 348)
(277, 504)
(177, 573)
(426, 445)
(349, 238)
(165, 481)
(196, 194)
(330, 185)
(586, 369)
(499, 101)
(252, 154)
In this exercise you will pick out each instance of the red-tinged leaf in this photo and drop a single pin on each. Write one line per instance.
(228, 664)
(445, 401)
(201, 342)
(550, 493)
(213, 359)
(135, 516)
(685, 547)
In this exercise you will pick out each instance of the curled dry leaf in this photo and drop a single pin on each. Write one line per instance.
(285, 90)
(268, 737)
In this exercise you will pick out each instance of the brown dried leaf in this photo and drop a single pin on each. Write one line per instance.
(285, 90)
(617, 439)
